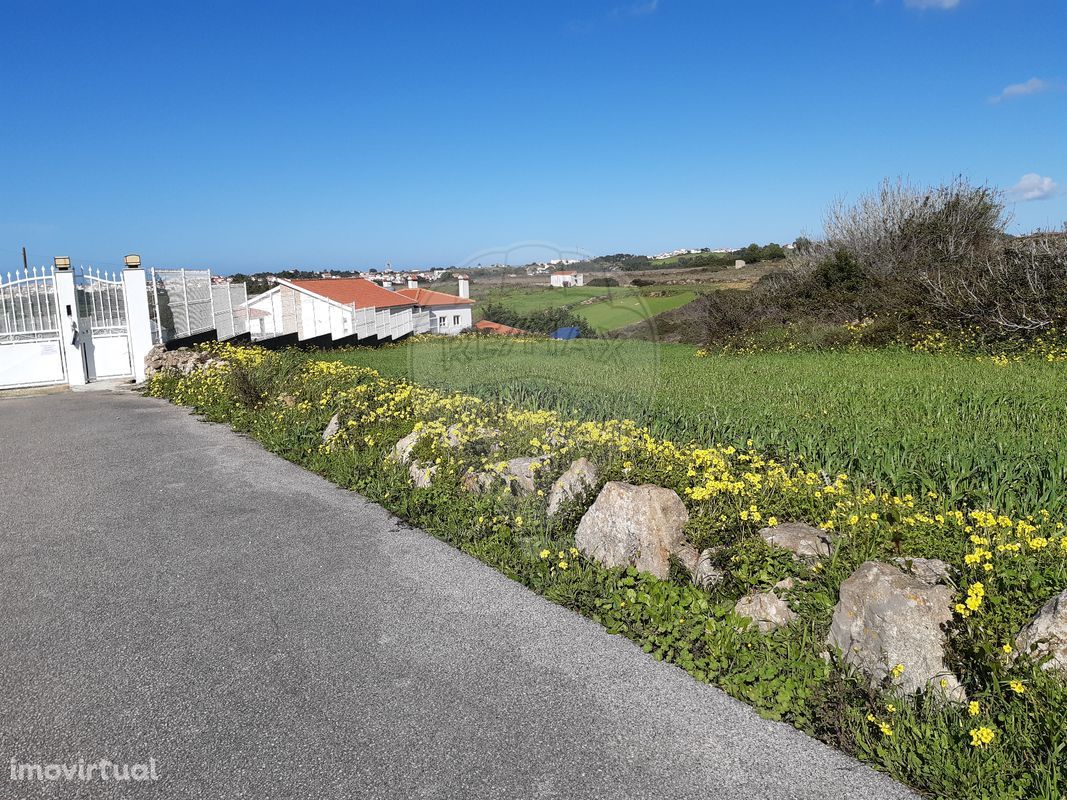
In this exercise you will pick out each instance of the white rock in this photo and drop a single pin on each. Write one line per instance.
(521, 474)
(707, 575)
(422, 474)
(1046, 634)
(402, 449)
(930, 570)
(332, 428)
(766, 610)
(580, 477)
(803, 541)
(639, 526)
(885, 617)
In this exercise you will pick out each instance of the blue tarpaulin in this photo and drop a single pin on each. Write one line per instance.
(566, 333)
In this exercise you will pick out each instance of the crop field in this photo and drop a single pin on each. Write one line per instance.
(605, 308)
(973, 432)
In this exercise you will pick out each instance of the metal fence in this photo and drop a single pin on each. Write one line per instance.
(184, 302)
(101, 300)
(28, 310)
(227, 301)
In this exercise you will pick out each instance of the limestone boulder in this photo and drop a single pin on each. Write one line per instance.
(422, 474)
(154, 360)
(457, 435)
(1046, 634)
(478, 482)
(182, 360)
(521, 474)
(766, 610)
(402, 449)
(579, 478)
(706, 575)
(332, 428)
(689, 557)
(930, 570)
(887, 621)
(638, 526)
(803, 541)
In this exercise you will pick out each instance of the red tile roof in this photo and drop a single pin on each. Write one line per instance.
(496, 327)
(348, 291)
(428, 297)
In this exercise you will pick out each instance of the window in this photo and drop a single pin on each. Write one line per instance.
(456, 320)
(441, 322)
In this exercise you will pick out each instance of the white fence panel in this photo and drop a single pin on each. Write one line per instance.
(227, 300)
(181, 303)
(30, 330)
(105, 326)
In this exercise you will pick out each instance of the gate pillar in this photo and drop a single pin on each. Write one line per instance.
(69, 333)
(137, 316)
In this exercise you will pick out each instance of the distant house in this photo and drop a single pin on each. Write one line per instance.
(567, 278)
(333, 309)
(449, 314)
(486, 326)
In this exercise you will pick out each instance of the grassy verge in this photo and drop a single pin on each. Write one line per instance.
(1009, 744)
(976, 433)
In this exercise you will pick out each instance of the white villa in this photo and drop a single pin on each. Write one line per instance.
(354, 311)
(449, 314)
(566, 278)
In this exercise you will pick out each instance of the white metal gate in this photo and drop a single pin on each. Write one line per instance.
(105, 330)
(31, 352)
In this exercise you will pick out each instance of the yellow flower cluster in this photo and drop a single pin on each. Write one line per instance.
(982, 736)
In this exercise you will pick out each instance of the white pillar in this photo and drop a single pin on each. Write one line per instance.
(137, 318)
(69, 332)
(464, 287)
(413, 283)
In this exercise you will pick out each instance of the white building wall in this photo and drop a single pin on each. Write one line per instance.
(559, 281)
(270, 303)
(443, 319)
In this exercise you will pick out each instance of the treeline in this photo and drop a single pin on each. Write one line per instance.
(256, 283)
(628, 262)
(545, 321)
(904, 259)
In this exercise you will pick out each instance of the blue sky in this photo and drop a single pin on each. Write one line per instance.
(247, 136)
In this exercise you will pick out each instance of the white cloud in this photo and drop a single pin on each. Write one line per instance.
(637, 9)
(945, 5)
(1013, 90)
(1032, 186)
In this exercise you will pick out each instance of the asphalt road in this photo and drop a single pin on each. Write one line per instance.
(169, 590)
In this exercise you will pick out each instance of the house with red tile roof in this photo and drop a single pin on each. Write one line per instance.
(322, 312)
(449, 314)
(486, 326)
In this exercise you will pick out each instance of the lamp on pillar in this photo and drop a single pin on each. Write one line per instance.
(133, 261)
(61, 262)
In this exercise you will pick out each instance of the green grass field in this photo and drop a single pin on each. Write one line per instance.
(973, 432)
(622, 306)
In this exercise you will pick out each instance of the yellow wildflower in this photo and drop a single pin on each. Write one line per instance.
(980, 737)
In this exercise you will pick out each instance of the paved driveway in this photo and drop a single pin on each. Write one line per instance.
(171, 591)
